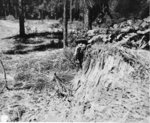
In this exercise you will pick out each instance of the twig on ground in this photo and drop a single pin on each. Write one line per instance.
(5, 77)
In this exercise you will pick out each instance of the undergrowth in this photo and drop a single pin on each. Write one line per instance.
(38, 72)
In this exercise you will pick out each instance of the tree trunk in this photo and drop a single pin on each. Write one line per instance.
(4, 7)
(87, 19)
(15, 10)
(10, 7)
(65, 30)
(21, 18)
(41, 14)
(71, 4)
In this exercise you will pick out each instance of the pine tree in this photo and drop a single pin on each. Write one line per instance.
(65, 22)
(71, 7)
(21, 18)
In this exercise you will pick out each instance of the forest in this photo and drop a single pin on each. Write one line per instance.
(75, 61)
(53, 9)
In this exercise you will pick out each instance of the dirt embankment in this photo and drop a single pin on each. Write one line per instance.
(114, 86)
(114, 82)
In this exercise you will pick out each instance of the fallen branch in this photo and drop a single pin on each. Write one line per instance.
(125, 40)
(143, 32)
(64, 88)
(5, 77)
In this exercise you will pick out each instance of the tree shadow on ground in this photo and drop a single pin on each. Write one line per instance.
(35, 42)
(57, 34)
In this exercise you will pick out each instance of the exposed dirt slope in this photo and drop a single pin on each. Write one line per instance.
(114, 85)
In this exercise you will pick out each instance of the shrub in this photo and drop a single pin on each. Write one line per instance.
(60, 20)
(69, 55)
(23, 76)
(10, 17)
(71, 39)
(79, 26)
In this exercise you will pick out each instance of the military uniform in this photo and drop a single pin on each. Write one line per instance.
(79, 53)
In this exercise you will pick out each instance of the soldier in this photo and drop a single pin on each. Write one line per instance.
(79, 54)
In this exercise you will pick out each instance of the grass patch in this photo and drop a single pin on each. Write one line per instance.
(37, 72)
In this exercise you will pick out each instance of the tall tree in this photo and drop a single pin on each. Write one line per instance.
(86, 5)
(87, 18)
(65, 24)
(71, 7)
(21, 18)
(4, 7)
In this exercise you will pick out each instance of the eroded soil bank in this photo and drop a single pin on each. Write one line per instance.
(114, 86)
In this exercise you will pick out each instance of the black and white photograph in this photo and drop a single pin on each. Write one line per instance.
(75, 61)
